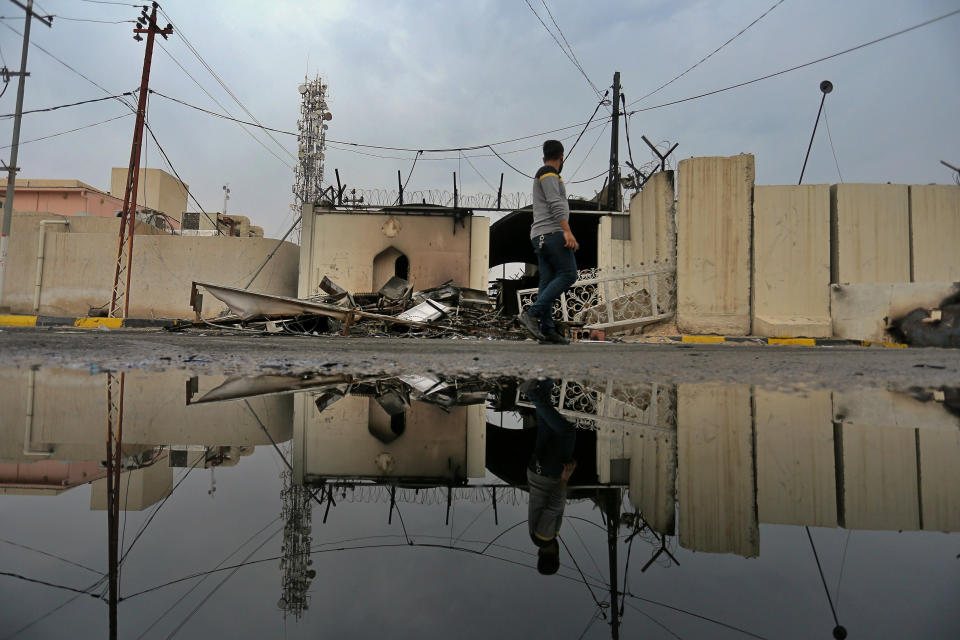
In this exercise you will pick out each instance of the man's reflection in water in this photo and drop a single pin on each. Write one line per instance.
(550, 467)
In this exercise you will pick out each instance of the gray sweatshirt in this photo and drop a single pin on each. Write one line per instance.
(549, 202)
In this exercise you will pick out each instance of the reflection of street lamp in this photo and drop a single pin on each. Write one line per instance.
(226, 196)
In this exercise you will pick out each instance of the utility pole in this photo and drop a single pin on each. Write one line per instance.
(120, 297)
(613, 179)
(226, 196)
(15, 145)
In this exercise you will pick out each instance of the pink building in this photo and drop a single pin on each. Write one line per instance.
(63, 197)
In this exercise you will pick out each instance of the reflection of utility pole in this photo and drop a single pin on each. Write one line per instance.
(611, 505)
(15, 145)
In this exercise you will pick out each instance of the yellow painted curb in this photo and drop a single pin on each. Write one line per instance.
(888, 345)
(803, 342)
(18, 321)
(704, 339)
(93, 323)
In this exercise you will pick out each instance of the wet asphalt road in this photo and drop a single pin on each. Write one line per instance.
(208, 352)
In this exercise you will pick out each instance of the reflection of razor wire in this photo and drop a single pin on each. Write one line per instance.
(380, 493)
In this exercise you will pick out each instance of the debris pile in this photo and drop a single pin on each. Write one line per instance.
(396, 309)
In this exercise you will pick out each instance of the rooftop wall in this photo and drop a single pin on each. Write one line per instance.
(156, 189)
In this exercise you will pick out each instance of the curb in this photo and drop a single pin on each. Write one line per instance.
(796, 342)
(83, 322)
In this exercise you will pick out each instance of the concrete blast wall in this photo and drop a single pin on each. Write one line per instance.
(78, 271)
(791, 261)
(935, 233)
(862, 311)
(653, 230)
(714, 211)
(870, 233)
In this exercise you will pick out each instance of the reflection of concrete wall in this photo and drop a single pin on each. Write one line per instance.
(935, 232)
(939, 459)
(338, 442)
(791, 261)
(891, 409)
(79, 268)
(713, 245)
(716, 485)
(861, 311)
(653, 233)
(796, 475)
(653, 475)
(139, 488)
(870, 229)
(879, 477)
(70, 414)
(343, 246)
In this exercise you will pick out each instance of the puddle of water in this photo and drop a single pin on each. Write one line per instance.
(426, 505)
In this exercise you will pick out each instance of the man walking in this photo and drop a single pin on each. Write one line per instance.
(554, 244)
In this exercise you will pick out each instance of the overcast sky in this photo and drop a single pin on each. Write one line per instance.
(442, 74)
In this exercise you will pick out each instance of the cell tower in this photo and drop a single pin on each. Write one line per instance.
(296, 562)
(312, 127)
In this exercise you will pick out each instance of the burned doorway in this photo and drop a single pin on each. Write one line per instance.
(389, 263)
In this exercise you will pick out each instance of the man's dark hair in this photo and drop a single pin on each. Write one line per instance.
(552, 150)
(548, 559)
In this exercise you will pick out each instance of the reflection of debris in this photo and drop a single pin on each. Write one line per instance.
(931, 328)
(447, 310)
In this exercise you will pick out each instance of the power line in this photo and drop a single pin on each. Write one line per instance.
(374, 146)
(565, 52)
(61, 133)
(202, 88)
(71, 104)
(97, 85)
(123, 4)
(51, 555)
(826, 121)
(709, 55)
(569, 48)
(182, 183)
(220, 81)
(91, 20)
(799, 66)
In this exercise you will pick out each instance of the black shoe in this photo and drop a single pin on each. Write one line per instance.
(531, 325)
(554, 338)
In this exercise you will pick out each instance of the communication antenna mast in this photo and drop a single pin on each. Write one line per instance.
(312, 128)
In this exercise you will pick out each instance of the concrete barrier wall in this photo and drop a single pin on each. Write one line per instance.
(343, 247)
(791, 261)
(716, 484)
(862, 311)
(613, 252)
(796, 474)
(653, 230)
(870, 233)
(79, 268)
(714, 211)
(935, 232)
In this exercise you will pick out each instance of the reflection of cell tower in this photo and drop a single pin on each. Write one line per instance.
(296, 561)
(312, 127)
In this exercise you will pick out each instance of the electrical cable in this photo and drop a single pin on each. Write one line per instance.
(589, 151)
(220, 81)
(574, 145)
(183, 184)
(823, 579)
(569, 48)
(565, 52)
(706, 57)
(59, 17)
(219, 104)
(826, 121)
(217, 588)
(123, 4)
(34, 44)
(584, 578)
(61, 133)
(44, 582)
(71, 104)
(799, 66)
(50, 555)
(407, 181)
(467, 158)
(373, 146)
(655, 621)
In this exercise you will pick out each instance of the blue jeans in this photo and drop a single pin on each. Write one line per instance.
(558, 270)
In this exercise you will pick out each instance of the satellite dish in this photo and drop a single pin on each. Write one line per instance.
(328, 116)
(302, 88)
